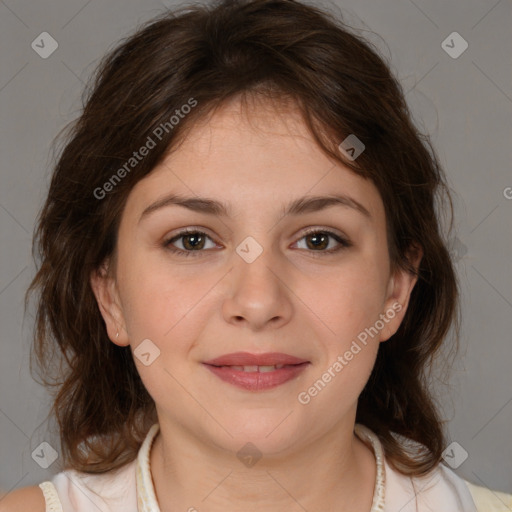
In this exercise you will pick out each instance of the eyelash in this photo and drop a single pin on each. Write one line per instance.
(168, 243)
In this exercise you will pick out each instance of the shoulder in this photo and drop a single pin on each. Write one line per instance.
(467, 494)
(488, 500)
(27, 498)
(441, 489)
(114, 490)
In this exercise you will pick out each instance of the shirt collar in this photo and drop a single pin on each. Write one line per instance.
(146, 498)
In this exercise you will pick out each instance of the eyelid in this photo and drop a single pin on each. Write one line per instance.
(187, 231)
(303, 232)
(324, 229)
(343, 241)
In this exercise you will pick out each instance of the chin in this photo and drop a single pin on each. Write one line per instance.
(271, 432)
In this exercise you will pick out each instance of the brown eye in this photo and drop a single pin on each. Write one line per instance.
(319, 240)
(192, 241)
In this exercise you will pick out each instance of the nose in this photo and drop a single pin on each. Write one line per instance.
(258, 296)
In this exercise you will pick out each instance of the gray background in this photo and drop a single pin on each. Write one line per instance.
(464, 103)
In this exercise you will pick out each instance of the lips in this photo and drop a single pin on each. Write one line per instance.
(256, 372)
(248, 359)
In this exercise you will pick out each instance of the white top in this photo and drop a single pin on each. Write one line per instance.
(130, 488)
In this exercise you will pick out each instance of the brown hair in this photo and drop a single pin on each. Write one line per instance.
(206, 55)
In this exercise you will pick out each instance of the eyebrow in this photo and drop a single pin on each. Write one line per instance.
(302, 205)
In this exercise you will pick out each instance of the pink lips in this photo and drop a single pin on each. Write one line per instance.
(248, 359)
(254, 379)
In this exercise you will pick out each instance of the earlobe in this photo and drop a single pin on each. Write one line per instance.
(107, 298)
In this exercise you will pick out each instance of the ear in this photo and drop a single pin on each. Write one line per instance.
(105, 290)
(399, 291)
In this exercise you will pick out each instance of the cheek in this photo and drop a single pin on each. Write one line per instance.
(349, 305)
(167, 310)
(348, 299)
(163, 303)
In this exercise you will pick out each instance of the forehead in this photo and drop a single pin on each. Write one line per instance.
(252, 156)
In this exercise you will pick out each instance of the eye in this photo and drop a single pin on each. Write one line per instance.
(318, 239)
(193, 242)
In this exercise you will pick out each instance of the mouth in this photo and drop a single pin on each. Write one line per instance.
(257, 372)
(246, 359)
(256, 368)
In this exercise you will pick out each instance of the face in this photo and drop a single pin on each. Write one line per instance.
(313, 283)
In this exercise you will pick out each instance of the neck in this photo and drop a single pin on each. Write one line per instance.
(189, 474)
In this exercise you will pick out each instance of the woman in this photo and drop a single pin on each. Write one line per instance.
(243, 271)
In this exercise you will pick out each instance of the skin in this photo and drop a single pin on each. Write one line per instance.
(293, 298)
